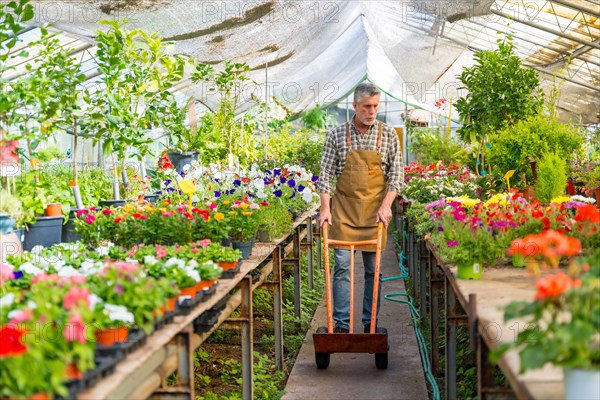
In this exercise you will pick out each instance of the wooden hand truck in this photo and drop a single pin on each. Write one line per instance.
(325, 340)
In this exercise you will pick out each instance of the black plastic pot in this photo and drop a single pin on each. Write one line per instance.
(45, 232)
(179, 159)
(68, 230)
(111, 203)
(151, 198)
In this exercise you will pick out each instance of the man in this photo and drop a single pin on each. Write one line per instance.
(364, 155)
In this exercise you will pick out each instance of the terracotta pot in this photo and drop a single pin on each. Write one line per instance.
(188, 291)
(205, 284)
(171, 303)
(72, 372)
(53, 210)
(227, 265)
(39, 396)
(109, 336)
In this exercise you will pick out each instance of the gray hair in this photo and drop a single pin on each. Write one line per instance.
(365, 89)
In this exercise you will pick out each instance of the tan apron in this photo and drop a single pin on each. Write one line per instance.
(359, 192)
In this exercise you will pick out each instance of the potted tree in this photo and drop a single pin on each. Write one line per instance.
(137, 74)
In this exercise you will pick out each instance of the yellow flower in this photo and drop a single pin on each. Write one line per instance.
(128, 207)
(219, 216)
(243, 206)
(226, 202)
(497, 198)
(246, 213)
(465, 200)
(560, 199)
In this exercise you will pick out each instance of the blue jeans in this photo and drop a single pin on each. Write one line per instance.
(341, 287)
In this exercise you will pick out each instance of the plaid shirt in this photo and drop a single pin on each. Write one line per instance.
(335, 150)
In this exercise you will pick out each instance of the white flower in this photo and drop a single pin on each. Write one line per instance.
(102, 251)
(94, 299)
(31, 305)
(150, 260)
(583, 199)
(307, 195)
(193, 273)
(175, 261)
(119, 313)
(29, 268)
(68, 271)
(192, 264)
(89, 267)
(7, 300)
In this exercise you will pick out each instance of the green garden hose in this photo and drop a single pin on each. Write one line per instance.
(404, 298)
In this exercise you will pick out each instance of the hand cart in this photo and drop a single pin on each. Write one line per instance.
(325, 340)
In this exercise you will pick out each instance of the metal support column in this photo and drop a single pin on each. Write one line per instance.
(455, 316)
(317, 233)
(436, 283)
(423, 267)
(245, 286)
(297, 275)
(277, 307)
(309, 239)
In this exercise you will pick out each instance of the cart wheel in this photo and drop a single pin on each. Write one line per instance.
(381, 360)
(322, 360)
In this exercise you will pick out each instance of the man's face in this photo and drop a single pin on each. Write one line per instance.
(366, 110)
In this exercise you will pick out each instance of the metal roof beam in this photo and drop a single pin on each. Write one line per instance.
(543, 28)
(594, 13)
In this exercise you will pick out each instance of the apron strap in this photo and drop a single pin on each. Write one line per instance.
(348, 141)
(379, 136)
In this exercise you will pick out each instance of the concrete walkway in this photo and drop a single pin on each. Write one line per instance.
(354, 376)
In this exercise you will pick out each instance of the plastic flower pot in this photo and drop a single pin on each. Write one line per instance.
(227, 265)
(111, 203)
(470, 270)
(53, 210)
(581, 383)
(188, 291)
(244, 247)
(6, 224)
(180, 160)
(45, 232)
(110, 336)
(205, 284)
(72, 372)
(68, 230)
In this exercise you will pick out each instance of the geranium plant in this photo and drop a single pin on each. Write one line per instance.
(563, 319)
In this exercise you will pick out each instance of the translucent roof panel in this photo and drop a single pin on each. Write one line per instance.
(306, 52)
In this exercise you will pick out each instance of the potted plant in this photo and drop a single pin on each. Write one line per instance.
(591, 180)
(243, 220)
(10, 208)
(137, 73)
(562, 326)
(112, 323)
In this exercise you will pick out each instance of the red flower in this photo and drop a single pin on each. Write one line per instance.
(554, 285)
(546, 222)
(118, 219)
(588, 213)
(90, 219)
(10, 342)
(107, 211)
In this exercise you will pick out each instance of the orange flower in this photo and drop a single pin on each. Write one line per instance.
(588, 213)
(554, 285)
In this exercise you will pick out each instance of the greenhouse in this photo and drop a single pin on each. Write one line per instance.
(300, 199)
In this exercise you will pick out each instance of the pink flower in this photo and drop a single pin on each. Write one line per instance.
(452, 243)
(22, 316)
(75, 296)
(167, 214)
(124, 266)
(160, 252)
(79, 213)
(204, 242)
(107, 211)
(44, 278)
(212, 206)
(5, 272)
(77, 279)
(75, 329)
(90, 219)
(254, 206)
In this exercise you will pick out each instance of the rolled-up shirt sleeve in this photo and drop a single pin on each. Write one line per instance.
(329, 162)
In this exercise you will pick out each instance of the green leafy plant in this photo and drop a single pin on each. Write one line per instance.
(515, 147)
(430, 147)
(552, 177)
(276, 220)
(501, 91)
(137, 73)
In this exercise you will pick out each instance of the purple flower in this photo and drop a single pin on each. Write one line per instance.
(291, 183)
(217, 194)
(293, 195)
(282, 179)
(119, 290)
(574, 204)
(452, 243)
(277, 171)
(167, 182)
(314, 178)
(440, 228)
(301, 188)
(278, 193)
(237, 183)
(232, 191)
